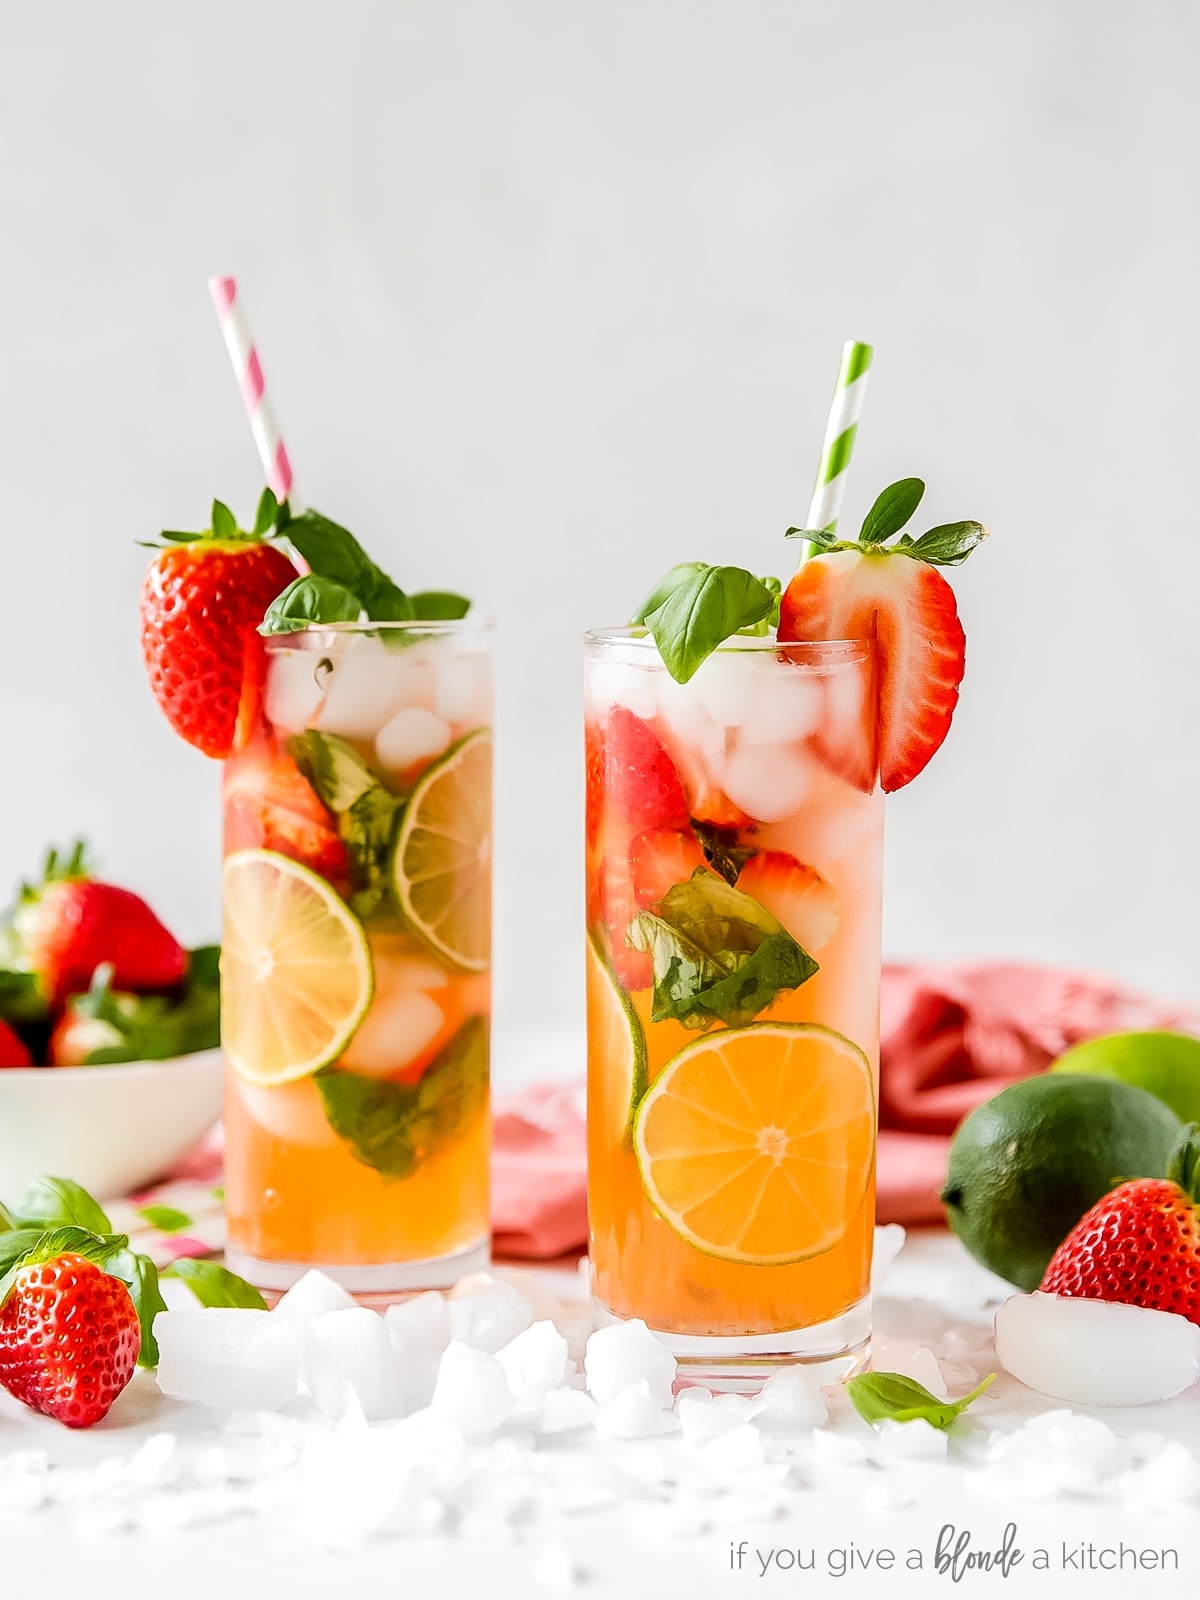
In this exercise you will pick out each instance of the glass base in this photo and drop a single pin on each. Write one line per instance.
(742, 1363)
(366, 1282)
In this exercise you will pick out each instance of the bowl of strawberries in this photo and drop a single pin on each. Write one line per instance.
(109, 1031)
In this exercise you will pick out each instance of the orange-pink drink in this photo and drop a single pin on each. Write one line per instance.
(356, 988)
(734, 853)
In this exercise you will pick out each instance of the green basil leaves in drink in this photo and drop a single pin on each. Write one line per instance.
(366, 812)
(718, 955)
(695, 608)
(391, 1126)
(890, 1396)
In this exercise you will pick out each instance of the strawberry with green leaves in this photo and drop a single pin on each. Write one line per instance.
(1140, 1244)
(203, 598)
(71, 923)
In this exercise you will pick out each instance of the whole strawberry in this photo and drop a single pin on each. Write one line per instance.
(203, 598)
(71, 923)
(69, 1339)
(1141, 1243)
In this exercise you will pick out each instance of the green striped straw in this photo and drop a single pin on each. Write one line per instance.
(840, 430)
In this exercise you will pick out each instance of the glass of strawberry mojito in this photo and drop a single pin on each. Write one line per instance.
(356, 956)
(738, 746)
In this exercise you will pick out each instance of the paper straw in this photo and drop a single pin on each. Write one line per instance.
(246, 369)
(840, 432)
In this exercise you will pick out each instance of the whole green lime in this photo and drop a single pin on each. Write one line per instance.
(1027, 1164)
(1166, 1065)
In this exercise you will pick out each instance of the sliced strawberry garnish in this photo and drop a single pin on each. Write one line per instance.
(795, 894)
(659, 859)
(890, 595)
(640, 782)
(618, 906)
(270, 805)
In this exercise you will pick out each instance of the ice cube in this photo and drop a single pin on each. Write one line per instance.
(565, 1409)
(490, 1316)
(888, 1243)
(350, 1351)
(727, 687)
(368, 685)
(786, 706)
(412, 735)
(623, 1353)
(291, 1112)
(471, 1390)
(767, 781)
(1165, 1479)
(793, 1399)
(613, 683)
(312, 1296)
(633, 1412)
(916, 1362)
(701, 1420)
(535, 1362)
(682, 710)
(228, 1357)
(456, 688)
(421, 1325)
(917, 1440)
(849, 1449)
(400, 1026)
(1096, 1352)
(295, 688)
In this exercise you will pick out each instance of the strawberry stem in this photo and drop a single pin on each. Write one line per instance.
(1183, 1167)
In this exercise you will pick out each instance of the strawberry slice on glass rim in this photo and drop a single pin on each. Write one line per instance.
(893, 596)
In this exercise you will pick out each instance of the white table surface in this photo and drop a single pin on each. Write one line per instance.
(623, 1548)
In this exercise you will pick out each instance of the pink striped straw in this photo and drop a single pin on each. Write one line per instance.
(246, 369)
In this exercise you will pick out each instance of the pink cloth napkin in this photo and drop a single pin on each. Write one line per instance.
(950, 1038)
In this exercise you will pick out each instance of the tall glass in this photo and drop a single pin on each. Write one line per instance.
(733, 999)
(356, 959)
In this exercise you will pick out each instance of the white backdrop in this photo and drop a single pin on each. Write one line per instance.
(550, 295)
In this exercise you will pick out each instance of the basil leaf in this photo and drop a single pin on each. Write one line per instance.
(439, 605)
(334, 768)
(664, 588)
(892, 509)
(717, 954)
(57, 1202)
(268, 510)
(708, 606)
(224, 523)
(215, 1285)
(308, 600)
(140, 1276)
(823, 538)
(166, 1218)
(331, 551)
(946, 546)
(390, 1127)
(883, 1396)
(7, 1220)
(16, 1244)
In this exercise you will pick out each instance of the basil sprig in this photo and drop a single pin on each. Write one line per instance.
(948, 545)
(890, 1396)
(696, 607)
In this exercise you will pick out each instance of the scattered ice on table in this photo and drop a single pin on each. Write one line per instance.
(565, 1409)
(1164, 1479)
(312, 1296)
(889, 1241)
(1095, 1352)
(918, 1363)
(701, 1419)
(743, 1406)
(1055, 1453)
(917, 1440)
(471, 1390)
(421, 1324)
(624, 1353)
(634, 1412)
(792, 1399)
(577, 1331)
(842, 1449)
(490, 1315)
(547, 1307)
(349, 1352)
(535, 1362)
(554, 1570)
(228, 1357)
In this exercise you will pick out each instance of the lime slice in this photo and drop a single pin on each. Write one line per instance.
(616, 1044)
(755, 1144)
(296, 976)
(442, 859)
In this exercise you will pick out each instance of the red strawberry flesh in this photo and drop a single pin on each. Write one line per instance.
(270, 805)
(69, 1339)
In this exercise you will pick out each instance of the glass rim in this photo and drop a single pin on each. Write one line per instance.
(429, 627)
(797, 651)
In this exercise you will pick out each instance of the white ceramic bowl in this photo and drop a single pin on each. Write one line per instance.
(112, 1129)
